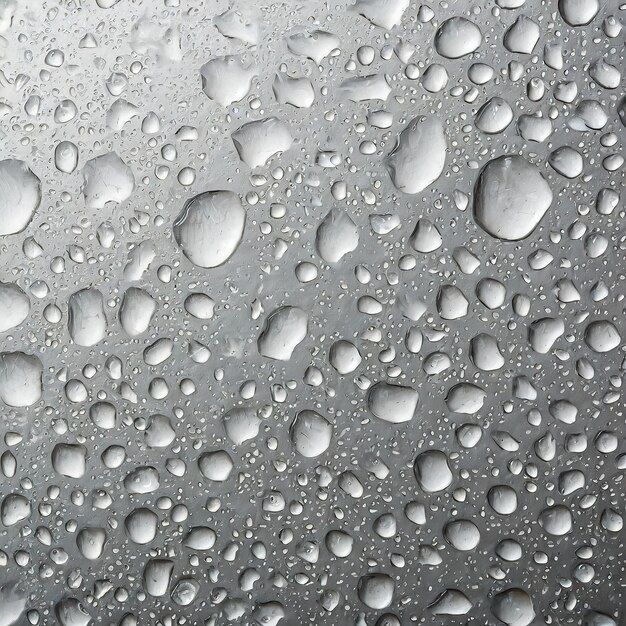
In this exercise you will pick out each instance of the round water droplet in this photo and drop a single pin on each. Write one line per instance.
(432, 471)
(510, 198)
(310, 433)
(457, 37)
(210, 227)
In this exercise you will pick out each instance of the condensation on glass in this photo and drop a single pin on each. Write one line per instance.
(312, 313)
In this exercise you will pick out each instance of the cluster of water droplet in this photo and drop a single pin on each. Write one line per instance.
(311, 313)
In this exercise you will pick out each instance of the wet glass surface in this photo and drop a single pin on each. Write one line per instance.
(312, 313)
